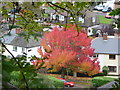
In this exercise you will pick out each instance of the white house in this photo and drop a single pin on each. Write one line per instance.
(18, 45)
(108, 52)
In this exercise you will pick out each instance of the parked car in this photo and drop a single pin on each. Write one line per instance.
(99, 7)
(108, 16)
(66, 83)
(116, 17)
(106, 9)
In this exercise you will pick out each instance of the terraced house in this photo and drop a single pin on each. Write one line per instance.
(108, 52)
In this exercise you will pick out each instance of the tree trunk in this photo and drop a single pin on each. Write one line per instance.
(63, 73)
(67, 73)
(74, 75)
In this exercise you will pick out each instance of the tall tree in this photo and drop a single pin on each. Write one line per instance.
(65, 49)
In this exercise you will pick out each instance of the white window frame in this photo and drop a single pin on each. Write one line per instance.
(61, 18)
(113, 70)
(93, 19)
(23, 49)
(15, 48)
(54, 16)
(95, 55)
(81, 19)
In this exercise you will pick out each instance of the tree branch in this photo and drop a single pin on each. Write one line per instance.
(18, 65)
(58, 6)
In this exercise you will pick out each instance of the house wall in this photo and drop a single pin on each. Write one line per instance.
(118, 58)
(19, 51)
(15, 53)
(32, 52)
(105, 61)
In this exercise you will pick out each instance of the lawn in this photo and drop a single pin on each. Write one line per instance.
(105, 20)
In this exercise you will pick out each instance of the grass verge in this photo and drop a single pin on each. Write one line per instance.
(105, 20)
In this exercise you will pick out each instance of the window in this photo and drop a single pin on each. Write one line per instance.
(23, 49)
(95, 55)
(54, 16)
(61, 18)
(14, 48)
(111, 56)
(71, 19)
(112, 68)
(81, 19)
(93, 19)
(89, 30)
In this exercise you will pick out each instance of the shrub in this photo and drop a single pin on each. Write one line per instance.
(56, 82)
(105, 70)
(40, 81)
(99, 74)
(99, 81)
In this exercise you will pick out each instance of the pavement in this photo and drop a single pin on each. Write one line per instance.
(106, 86)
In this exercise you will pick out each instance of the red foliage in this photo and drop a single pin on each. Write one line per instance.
(67, 49)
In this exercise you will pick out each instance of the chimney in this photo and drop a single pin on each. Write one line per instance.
(105, 36)
(18, 30)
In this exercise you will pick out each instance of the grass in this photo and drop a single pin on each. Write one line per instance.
(99, 81)
(105, 20)
(51, 81)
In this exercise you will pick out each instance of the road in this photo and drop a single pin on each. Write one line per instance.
(99, 12)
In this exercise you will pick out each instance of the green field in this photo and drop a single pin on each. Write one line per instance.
(105, 20)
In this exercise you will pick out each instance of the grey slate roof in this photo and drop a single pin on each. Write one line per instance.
(16, 40)
(111, 46)
(21, 42)
(8, 38)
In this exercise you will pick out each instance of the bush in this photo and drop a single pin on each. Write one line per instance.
(105, 70)
(46, 81)
(99, 74)
(56, 82)
(40, 81)
(99, 81)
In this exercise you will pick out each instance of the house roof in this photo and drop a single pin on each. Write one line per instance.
(21, 42)
(111, 46)
(106, 28)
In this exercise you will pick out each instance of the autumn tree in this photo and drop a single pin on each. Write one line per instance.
(25, 18)
(66, 49)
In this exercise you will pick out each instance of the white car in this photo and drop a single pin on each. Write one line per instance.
(99, 7)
